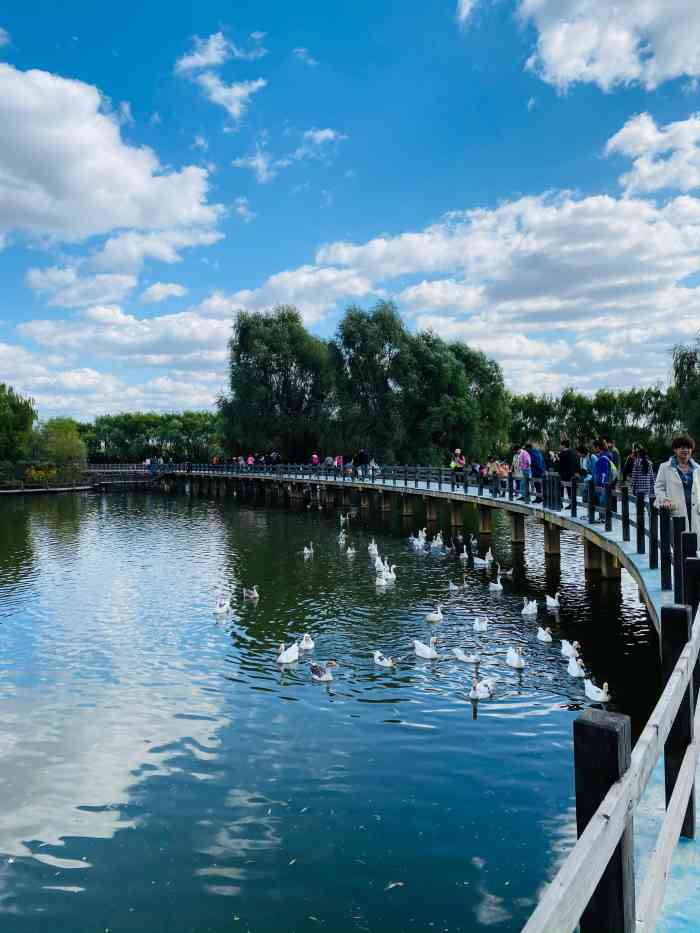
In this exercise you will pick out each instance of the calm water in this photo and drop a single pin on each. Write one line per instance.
(159, 772)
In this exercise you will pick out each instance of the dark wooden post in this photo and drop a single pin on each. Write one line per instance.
(639, 518)
(678, 529)
(559, 486)
(526, 488)
(602, 753)
(481, 484)
(591, 502)
(625, 513)
(691, 596)
(573, 492)
(675, 633)
(511, 488)
(665, 544)
(653, 535)
(608, 507)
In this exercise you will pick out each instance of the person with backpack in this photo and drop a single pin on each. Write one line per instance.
(642, 474)
(537, 467)
(605, 470)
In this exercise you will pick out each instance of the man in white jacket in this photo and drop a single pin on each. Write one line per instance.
(677, 484)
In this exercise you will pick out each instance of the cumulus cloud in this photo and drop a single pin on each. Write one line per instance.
(643, 42)
(66, 172)
(234, 98)
(464, 10)
(316, 142)
(260, 162)
(665, 157)
(242, 209)
(305, 56)
(65, 288)
(129, 251)
(206, 53)
(159, 291)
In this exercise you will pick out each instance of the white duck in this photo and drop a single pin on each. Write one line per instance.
(481, 625)
(342, 539)
(309, 551)
(288, 655)
(552, 601)
(350, 551)
(372, 548)
(496, 587)
(435, 615)
(544, 634)
(488, 556)
(251, 593)
(569, 650)
(322, 672)
(306, 643)
(425, 651)
(529, 607)
(223, 605)
(381, 582)
(480, 563)
(482, 689)
(595, 693)
(390, 572)
(382, 659)
(515, 659)
(462, 655)
(464, 556)
(575, 668)
(378, 564)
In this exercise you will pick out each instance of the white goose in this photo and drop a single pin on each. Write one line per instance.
(482, 689)
(544, 634)
(350, 551)
(288, 655)
(569, 650)
(342, 539)
(575, 668)
(251, 593)
(306, 643)
(462, 655)
(372, 548)
(464, 556)
(390, 572)
(425, 651)
(322, 672)
(382, 659)
(309, 551)
(515, 659)
(552, 601)
(488, 556)
(529, 607)
(435, 615)
(595, 693)
(381, 582)
(223, 605)
(481, 625)
(480, 563)
(496, 587)
(378, 564)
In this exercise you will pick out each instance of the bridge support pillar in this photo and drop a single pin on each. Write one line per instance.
(517, 528)
(365, 501)
(456, 514)
(346, 498)
(431, 513)
(484, 520)
(385, 502)
(592, 556)
(552, 538)
(610, 566)
(406, 504)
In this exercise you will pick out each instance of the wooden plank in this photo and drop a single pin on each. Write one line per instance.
(653, 888)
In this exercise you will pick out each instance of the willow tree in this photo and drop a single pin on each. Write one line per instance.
(280, 385)
(17, 415)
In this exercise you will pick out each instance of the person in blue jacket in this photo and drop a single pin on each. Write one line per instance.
(605, 470)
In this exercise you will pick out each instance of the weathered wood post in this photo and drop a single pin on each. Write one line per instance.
(484, 520)
(511, 489)
(480, 487)
(691, 581)
(625, 498)
(456, 515)
(665, 547)
(641, 531)
(675, 633)
(602, 754)
(517, 528)
(653, 535)
(574, 497)
(407, 505)
(552, 538)
(591, 502)
(608, 507)
(431, 513)
(678, 529)
(526, 488)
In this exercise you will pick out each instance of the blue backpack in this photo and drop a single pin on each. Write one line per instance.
(537, 462)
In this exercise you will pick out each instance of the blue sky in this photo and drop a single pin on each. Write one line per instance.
(519, 174)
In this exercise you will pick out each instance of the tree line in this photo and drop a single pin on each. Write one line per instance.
(405, 397)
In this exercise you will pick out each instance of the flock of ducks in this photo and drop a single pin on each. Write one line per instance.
(386, 576)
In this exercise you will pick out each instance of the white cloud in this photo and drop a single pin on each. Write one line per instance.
(159, 291)
(666, 157)
(125, 115)
(464, 10)
(642, 42)
(234, 98)
(243, 210)
(64, 288)
(316, 142)
(66, 172)
(200, 143)
(442, 294)
(532, 103)
(155, 119)
(128, 251)
(305, 56)
(206, 53)
(4, 37)
(260, 163)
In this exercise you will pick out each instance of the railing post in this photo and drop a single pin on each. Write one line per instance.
(691, 596)
(675, 634)
(511, 491)
(573, 492)
(526, 488)
(665, 546)
(641, 535)
(678, 529)
(653, 535)
(592, 493)
(602, 754)
(625, 513)
(481, 484)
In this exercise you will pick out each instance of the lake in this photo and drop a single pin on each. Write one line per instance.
(161, 772)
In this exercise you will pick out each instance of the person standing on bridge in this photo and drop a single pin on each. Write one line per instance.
(678, 483)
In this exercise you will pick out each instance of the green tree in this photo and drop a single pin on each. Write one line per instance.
(686, 381)
(60, 442)
(280, 385)
(17, 416)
